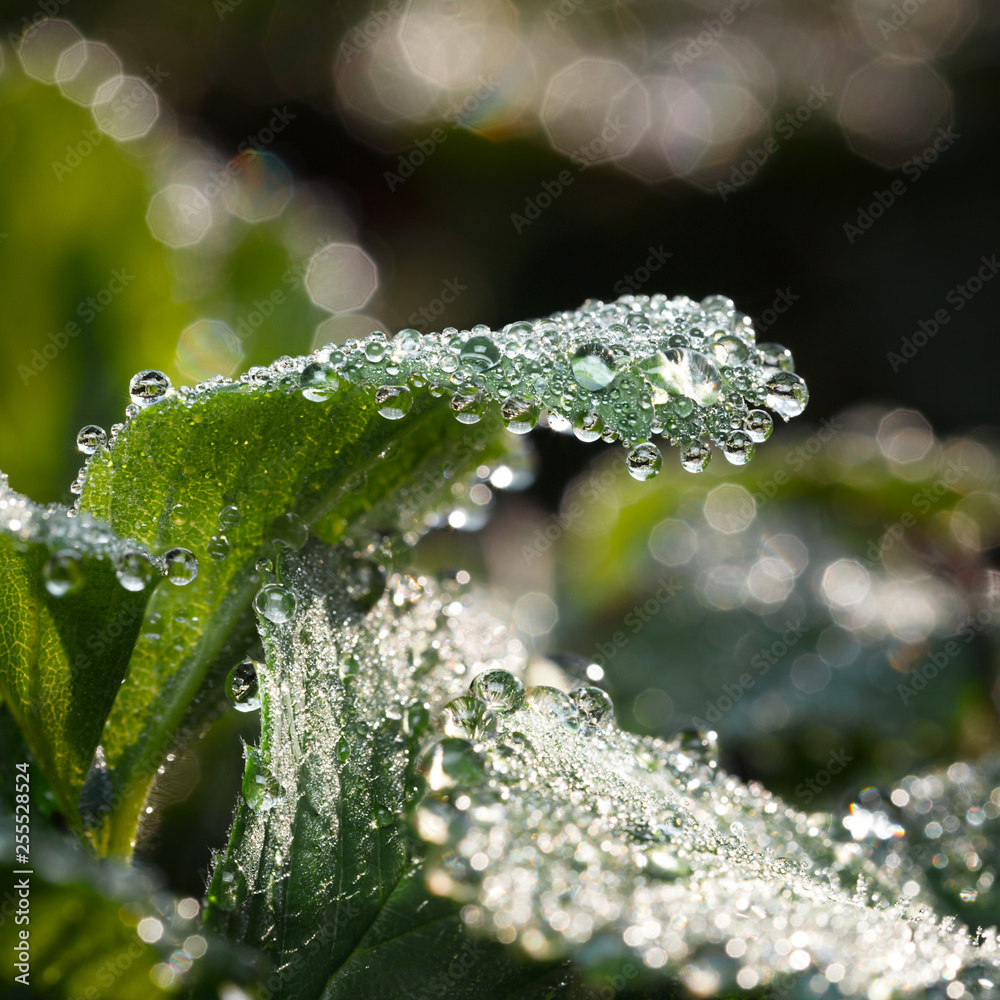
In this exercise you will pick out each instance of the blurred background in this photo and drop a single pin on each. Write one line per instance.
(203, 185)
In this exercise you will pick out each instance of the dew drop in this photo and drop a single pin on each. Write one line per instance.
(480, 353)
(588, 426)
(182, 566)
(468, 718)
(593, 366)
(450, 763)
(499, 690)
(228, 890)
(787, 394)
(90, 439)
(63, 572)
(288, 531)
(148, 386)
(666, 865)
(375, 350)
(275, 603)
(699, 744)
(682, 372)
(695, 456)
(758, 424)
(229, 517)
(366, 582)
(468, 407)
(644, 461)
(242, 687)
(518, 414)
(134, 571)
(179, 515)
(594, 705)
(218, 547)
(261, 790)
(319, 382)
(738, 447)
(394, 401)
(776, 358)
(556, 704)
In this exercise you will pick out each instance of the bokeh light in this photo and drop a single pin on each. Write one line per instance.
(341, 277)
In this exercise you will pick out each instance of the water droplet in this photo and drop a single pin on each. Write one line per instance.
(695, 456)
(393, 401)
(365, 582)
(148, 387)
(179, 515)
(681, 372)
(665, 864)
(758, 424)
(594, 705)
(182, 566)
(787, 394)
(644, 461)
(288, 531)
(97, 793)
(134, 571)
(730, 350)
(228, 890)
(593, 366)
(702, 746)
(416, 718)
(738, 447)
(556, 704)
(468, 407)
(229, 517)
(480, 353)
(218, 547)
(275, 603)
(261, 790)
(242, 687)
(776, 358)
(375, 350)
(90, 439)
(468, 718)
(450, 763)
(588, 426)
(63, 572)
(518, 414)
(499, 690)
(319, 382)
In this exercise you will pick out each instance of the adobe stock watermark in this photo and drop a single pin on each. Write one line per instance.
(420, 319)
(584, 156)
(808, 790)
(786, 127)
(634, 281)
(958, 298)
(640, 616)
(364, 34)
(77, 152)
(784, 298)
(423, 149)
(867, 215)
(762, 661)
(87, 310)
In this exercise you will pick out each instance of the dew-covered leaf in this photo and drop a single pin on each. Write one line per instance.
(319, 872)
(67, 626)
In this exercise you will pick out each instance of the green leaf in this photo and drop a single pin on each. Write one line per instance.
(319, 872)
(67, 627)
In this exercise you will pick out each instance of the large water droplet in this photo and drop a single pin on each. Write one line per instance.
(218, 547)
(499, 690)
(90, 439)
(468, 407)
(260, 787)
(644, 461)
(275, 603)
(182, 566)
(588, 426)
(468, 718)
(365, 582)
(695, 456)
(682, 372)
(319, 382)
(787, 394)
(738, 447)
(451, 763)
(179, 515)
(594, 705)
(776, 358)
(758, 424)
(134, 571)
(148, 387)
(228, 890)
(63, 572)
(556, 704)
(288, 531)
(243, 688)
(393, 401)
(593, 366)
(229, 517)
(480, 353)
(518, 414)
(97, 793)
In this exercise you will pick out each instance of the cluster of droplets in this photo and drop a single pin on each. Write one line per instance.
(631, 370)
